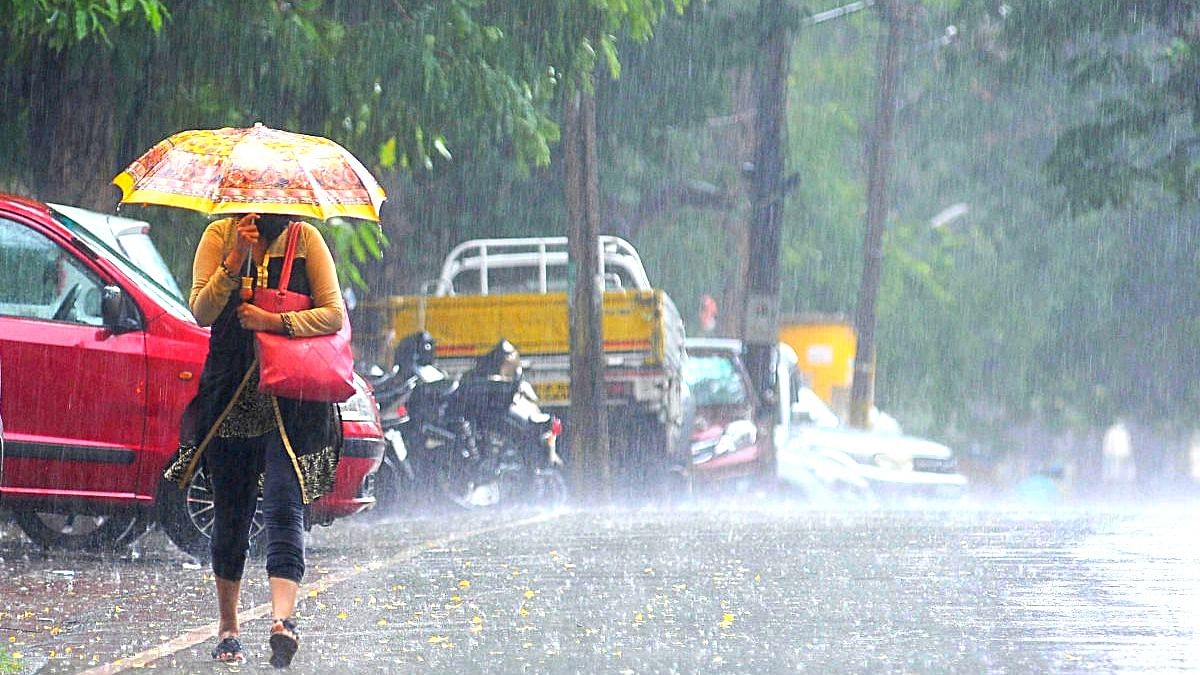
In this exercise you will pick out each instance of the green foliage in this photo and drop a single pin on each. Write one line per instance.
(357, 242)
(63, 23)
(9, 663)
(1133, 68)
(407, 86)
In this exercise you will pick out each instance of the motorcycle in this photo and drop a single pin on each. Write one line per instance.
(478, 442)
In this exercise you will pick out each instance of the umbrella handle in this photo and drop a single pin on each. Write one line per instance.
(247, 290)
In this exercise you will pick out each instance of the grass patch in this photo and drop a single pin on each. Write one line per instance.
(9, 663)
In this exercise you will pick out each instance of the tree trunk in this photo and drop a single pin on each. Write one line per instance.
(591, 467)
(760, 331)
(879, 161)
(740, 146)
(72, 128)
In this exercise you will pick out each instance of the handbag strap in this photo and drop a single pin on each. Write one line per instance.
(289, 256)
(212, 431)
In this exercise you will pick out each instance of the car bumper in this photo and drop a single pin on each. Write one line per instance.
(354, 485)
(751, 461)
(920, 484)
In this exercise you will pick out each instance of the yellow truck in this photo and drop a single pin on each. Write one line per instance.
(517, 289)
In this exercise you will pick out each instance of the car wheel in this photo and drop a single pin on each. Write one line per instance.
(186, 515)
(77, 531)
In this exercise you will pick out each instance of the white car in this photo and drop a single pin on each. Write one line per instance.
(128, 237)
(821, 456)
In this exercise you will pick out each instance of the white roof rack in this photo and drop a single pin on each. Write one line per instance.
(539, 252)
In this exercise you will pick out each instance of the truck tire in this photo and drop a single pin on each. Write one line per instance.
(644, 459)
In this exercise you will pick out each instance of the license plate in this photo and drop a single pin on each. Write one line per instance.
(552, 391)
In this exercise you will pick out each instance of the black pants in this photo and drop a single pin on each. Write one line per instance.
(234, 465)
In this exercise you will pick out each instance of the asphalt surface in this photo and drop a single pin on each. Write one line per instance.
(718, 586)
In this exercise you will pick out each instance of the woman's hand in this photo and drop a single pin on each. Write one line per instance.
(247, 238)
(256, 318)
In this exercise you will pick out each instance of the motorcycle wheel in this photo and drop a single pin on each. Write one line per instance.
(469, 495)
(78, 532)
(186, 515)
(393, 486)
(549, 488)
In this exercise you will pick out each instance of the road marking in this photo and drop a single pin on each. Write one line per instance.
(195, 636)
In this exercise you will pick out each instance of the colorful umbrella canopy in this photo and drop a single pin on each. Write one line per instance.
(252, 170)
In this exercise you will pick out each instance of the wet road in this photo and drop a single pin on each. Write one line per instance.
(706, 588)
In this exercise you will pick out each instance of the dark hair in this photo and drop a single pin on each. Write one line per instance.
(490, 363)
(417, 349)
(271, 225)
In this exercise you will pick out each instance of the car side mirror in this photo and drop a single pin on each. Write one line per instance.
(116, 312)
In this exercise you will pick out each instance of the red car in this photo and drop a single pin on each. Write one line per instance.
(100, 355)
(731, 443)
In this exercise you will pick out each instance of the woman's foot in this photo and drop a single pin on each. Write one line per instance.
(285, 640)
(229, 650)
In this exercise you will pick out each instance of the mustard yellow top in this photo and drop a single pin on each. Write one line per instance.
(211, 285)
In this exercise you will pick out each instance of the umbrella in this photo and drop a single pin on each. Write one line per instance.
(252, 170)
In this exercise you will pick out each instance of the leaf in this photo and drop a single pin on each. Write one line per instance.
(439, 144)
(81, 24)
(371, 237)
(387, 153)
(608, 47)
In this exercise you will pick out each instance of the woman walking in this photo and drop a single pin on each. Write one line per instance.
(249, 440)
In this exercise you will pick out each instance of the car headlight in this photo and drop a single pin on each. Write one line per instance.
(894, 461)
(361, 406)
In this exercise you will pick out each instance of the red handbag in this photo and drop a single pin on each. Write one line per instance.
(316, 368)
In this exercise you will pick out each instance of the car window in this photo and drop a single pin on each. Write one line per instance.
(715, 380)
(167, 296)
(141, 251)
(39, 280)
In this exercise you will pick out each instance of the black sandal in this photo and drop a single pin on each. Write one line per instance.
(229, 650)
(285, 640)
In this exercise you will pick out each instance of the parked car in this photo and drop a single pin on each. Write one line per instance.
(100, 355)
(730, 437)
(823, 457)
(1, 432)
